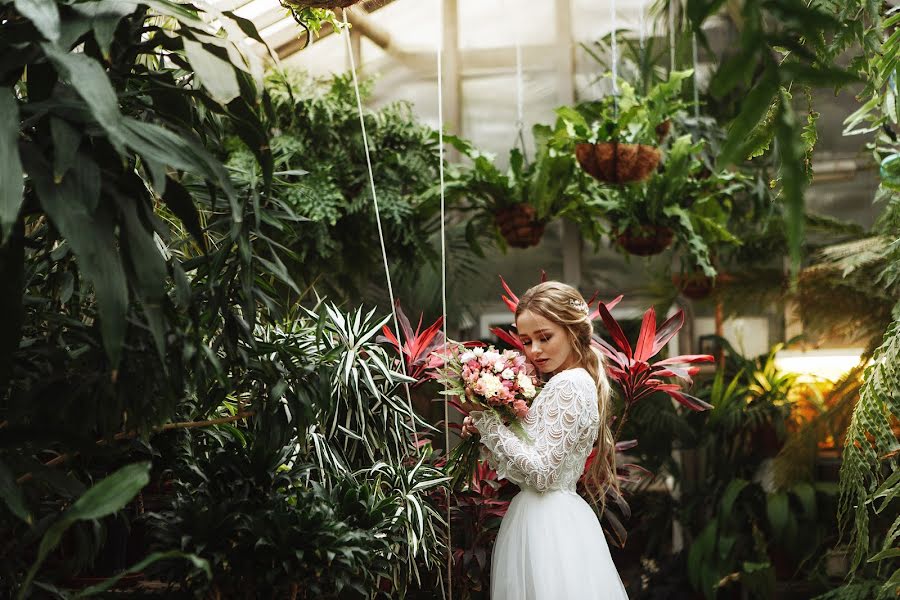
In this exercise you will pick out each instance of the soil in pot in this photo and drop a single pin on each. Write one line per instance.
(646, 240)
(612, 162)
(519, 225)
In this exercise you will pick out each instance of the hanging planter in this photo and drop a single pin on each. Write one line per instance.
(645, 240)
(612, 162)
(519, 225)
(697, 285)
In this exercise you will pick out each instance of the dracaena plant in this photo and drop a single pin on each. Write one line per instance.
(417, 345)
(631, 369)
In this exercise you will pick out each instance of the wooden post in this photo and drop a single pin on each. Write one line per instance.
(565, 94)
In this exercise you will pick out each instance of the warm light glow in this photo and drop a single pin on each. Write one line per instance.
(816, 365)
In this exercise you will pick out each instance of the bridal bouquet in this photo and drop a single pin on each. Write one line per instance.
(483, 379)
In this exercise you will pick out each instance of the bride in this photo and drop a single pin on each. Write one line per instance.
(550, 545)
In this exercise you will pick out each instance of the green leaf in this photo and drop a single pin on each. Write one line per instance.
(198, 562)
(11, 181)
(736, 69)
(90, 81)
(889, 553)
(43, 14)
(92, 237)
(793, 179)
(149, 268)
(182, 205)
(215, 74)
(66, 140)
(104, 498)
(11, 494)
(754, 108)
(777, 511)
(817, 76)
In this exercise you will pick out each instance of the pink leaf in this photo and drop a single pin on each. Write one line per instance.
(645, 338)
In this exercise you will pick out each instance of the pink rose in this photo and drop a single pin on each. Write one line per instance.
(520, 408)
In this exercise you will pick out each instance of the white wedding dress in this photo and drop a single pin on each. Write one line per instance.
(550, 545)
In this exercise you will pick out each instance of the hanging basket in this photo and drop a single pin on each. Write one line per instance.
(331, 4)
(695, 286)
(519, 225)
(646, 240)
(612, 162)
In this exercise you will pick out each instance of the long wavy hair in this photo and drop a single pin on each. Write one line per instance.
(564, 305)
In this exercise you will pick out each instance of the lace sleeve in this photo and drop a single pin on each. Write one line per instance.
(560, 423)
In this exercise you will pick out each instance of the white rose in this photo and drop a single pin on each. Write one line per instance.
(491, 357)
(499, 366)
(478, 352)
(490, 384)
(508, 374)
(526, 386)
(467, 356)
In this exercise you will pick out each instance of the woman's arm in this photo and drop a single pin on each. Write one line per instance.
(560, 423)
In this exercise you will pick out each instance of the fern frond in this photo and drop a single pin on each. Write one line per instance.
(870, 440)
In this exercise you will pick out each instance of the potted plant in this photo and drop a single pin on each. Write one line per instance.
(683, 202)
(616, 138)
(520, 202)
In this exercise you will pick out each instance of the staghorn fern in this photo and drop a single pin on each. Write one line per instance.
(871, 440)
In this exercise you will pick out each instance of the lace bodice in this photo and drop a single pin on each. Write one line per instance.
(562, 427)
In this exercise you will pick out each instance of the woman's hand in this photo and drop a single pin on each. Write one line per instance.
(468, 425)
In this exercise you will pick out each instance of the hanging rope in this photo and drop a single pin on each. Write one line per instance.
(671, 35)
(440, 94)
(520, 94)
(615, 57)
(695, 63)
(387, 270)
(643, 35)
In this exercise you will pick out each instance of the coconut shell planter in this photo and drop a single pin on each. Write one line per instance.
(332, 4)
(613, 162)
(646, 240)
(519, 225)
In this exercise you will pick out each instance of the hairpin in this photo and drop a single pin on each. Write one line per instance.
(579, 305)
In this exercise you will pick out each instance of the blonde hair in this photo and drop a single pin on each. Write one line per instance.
(564, 305)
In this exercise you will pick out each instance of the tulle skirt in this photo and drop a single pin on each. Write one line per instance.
(551, 547)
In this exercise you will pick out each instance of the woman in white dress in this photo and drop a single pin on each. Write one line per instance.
(550, 545)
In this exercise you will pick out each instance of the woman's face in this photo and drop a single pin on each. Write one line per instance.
(546, 343)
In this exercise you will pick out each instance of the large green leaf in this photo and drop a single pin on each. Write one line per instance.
(43, 14)
(92, 237)
(791, 155)
(11, 494)
(11, 181)
(215, 74)
(104, 498)
(148, 266)
(777, 510)
(755, 107)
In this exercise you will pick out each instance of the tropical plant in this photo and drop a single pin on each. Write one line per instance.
(624, 116)
(543, 189)
(683, 197)
(321, 179)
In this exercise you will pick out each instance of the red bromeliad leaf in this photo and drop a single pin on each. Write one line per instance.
(644, 349)
(685, 359)
(626, 445)
(615, 330)
(667, 330)
(509, 337)
(595, 314)
(693, 403)
(511, 301)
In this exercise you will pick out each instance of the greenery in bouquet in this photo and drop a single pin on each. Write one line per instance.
(518, 203)
(479, 378)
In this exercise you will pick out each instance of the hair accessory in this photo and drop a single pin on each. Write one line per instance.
(579, 305)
